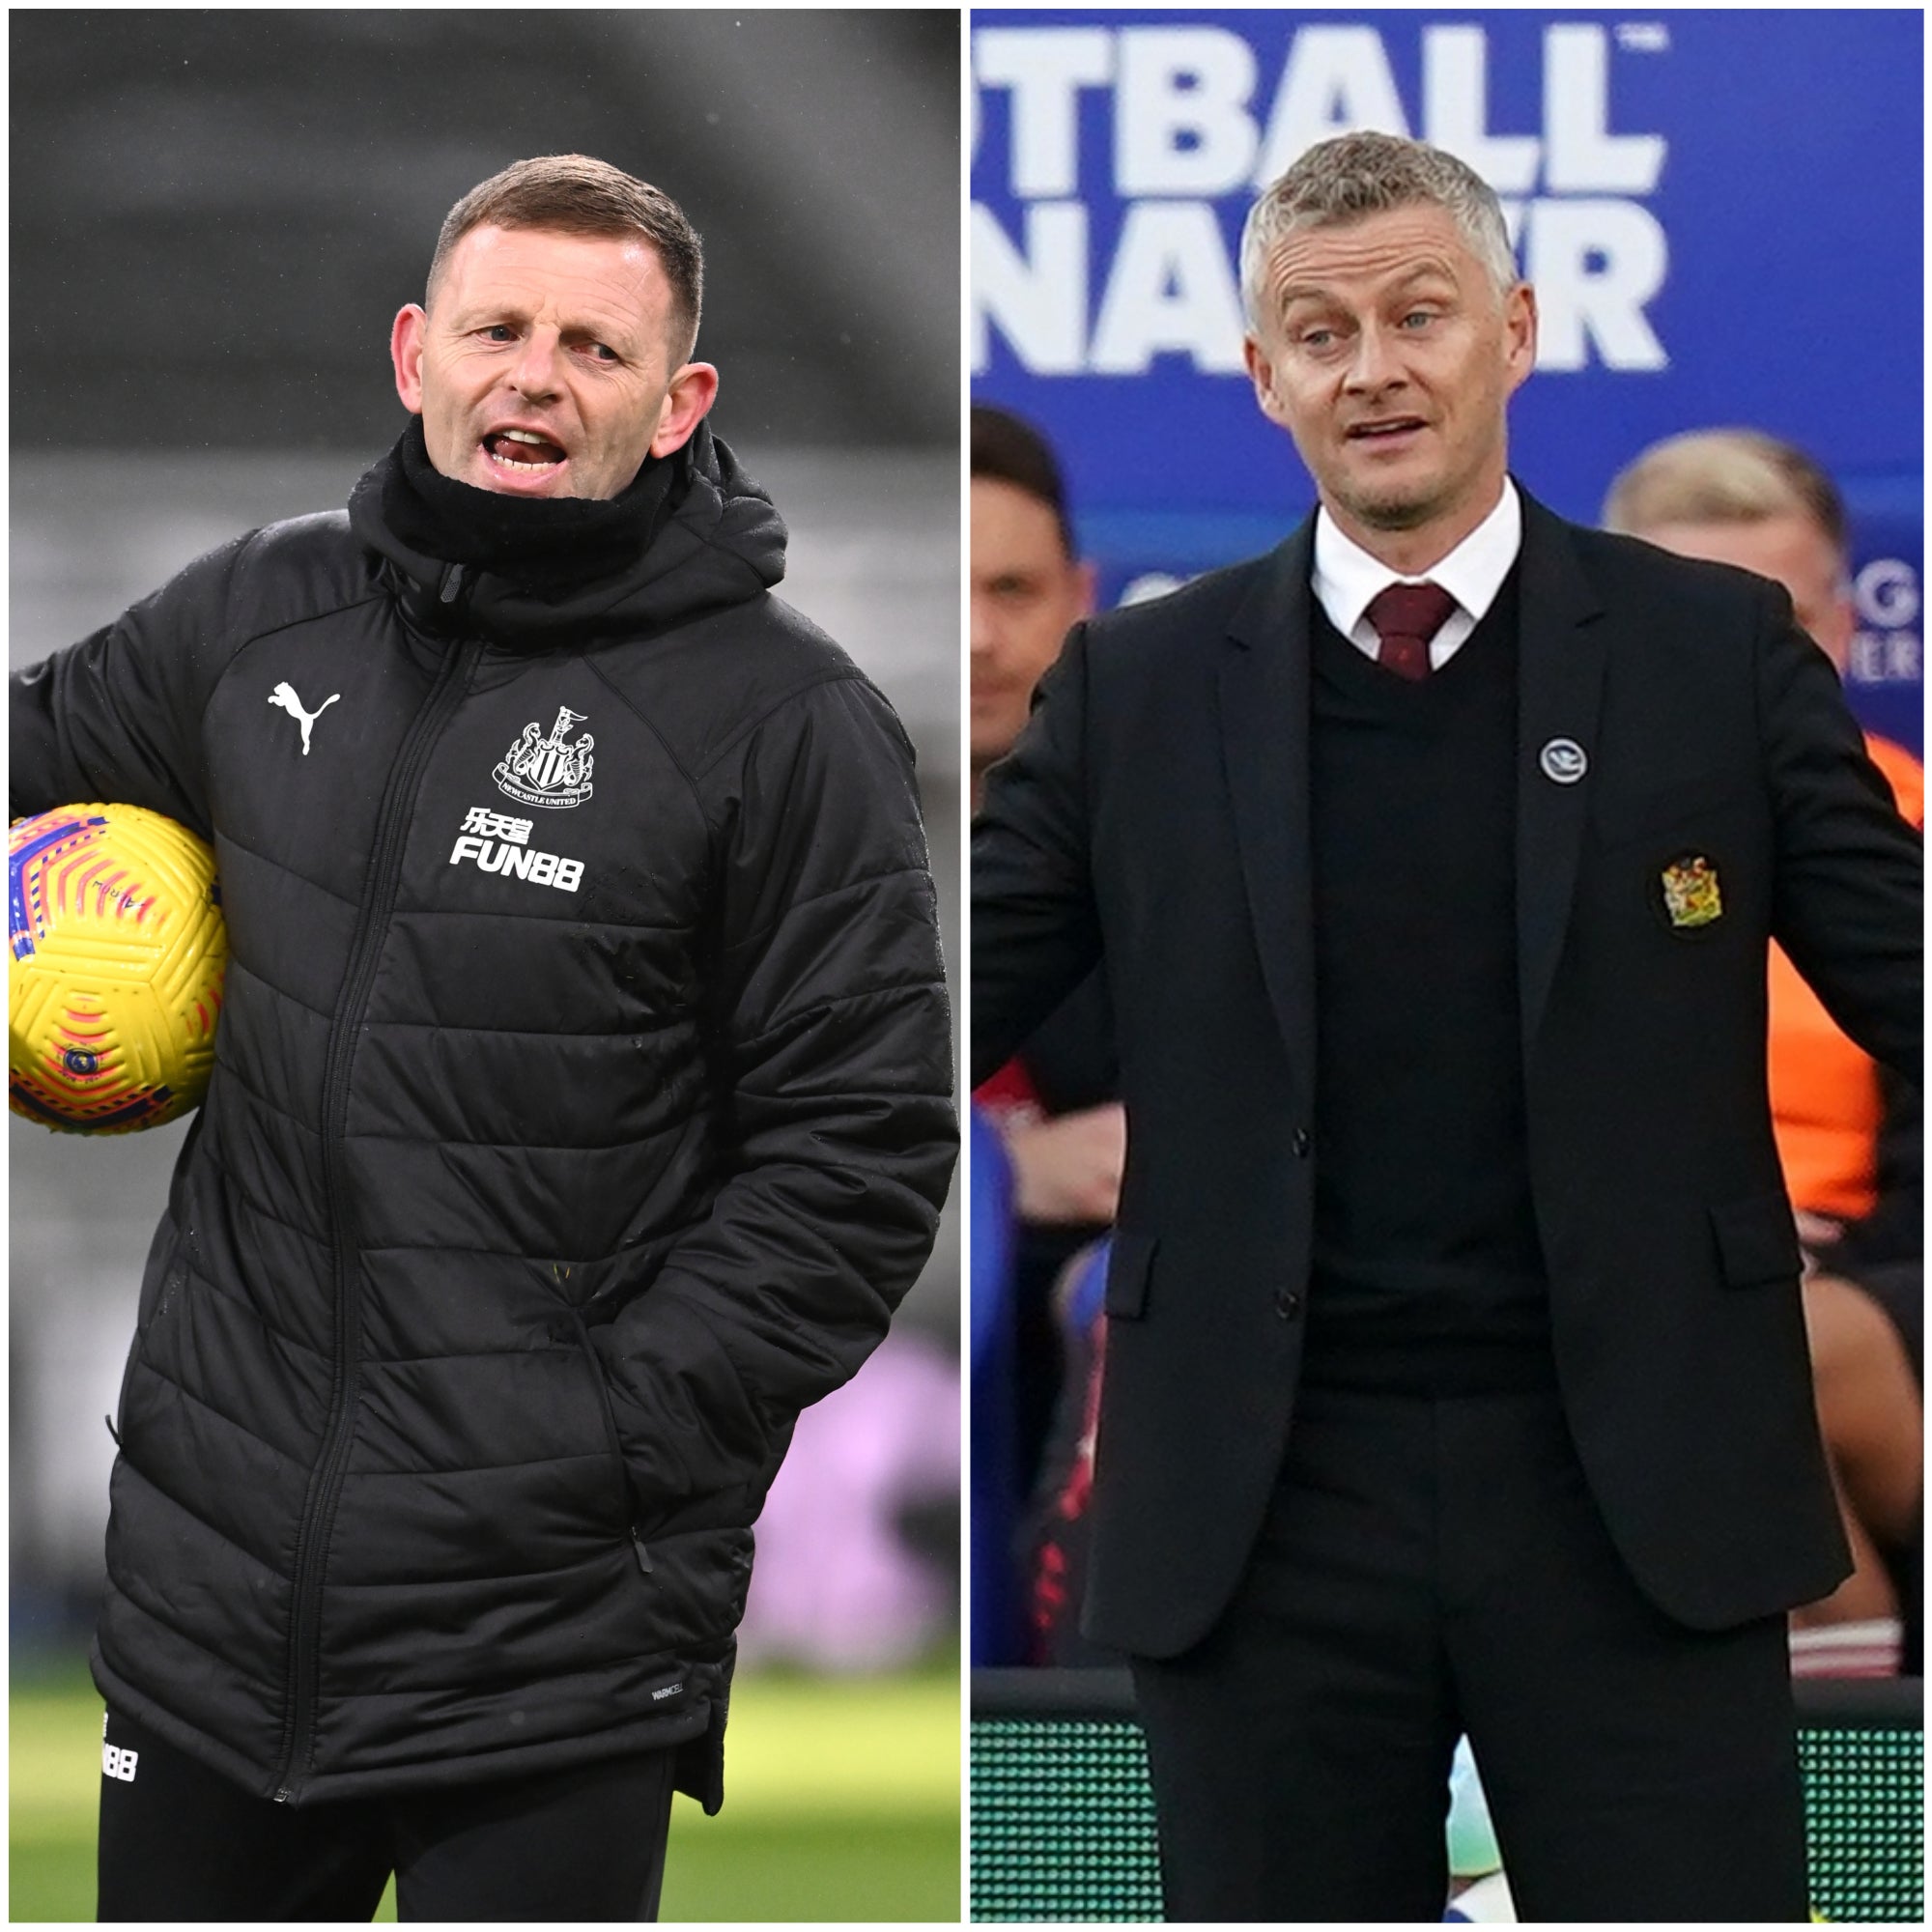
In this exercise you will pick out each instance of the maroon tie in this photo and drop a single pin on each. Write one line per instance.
(1405, 617)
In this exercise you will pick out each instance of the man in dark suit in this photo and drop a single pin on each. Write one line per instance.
(1456, 1370)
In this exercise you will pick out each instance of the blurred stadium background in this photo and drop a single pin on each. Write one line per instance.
(215, 217)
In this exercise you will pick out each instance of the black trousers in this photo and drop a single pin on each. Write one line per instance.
(1429, 1566)
(178, 1841)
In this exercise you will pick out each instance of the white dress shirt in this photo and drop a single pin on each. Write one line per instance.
(1347, 580)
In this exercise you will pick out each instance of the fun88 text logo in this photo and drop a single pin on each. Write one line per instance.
(116, 1760)
(499, 844)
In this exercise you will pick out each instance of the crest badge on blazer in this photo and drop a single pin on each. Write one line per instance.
(1693, 897)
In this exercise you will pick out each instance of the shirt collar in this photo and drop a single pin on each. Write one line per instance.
(1347, 579)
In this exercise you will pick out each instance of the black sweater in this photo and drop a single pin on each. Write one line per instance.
(1428, 1272)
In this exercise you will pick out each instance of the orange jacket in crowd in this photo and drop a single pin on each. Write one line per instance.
(1825, 1100)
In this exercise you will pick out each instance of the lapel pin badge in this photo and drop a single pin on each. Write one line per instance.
(1691, 895)
(1563, 761)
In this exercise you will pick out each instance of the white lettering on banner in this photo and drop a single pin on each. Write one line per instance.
(1038, 291)
(1173, 287)
(1337, 78)
(1886, 591)
(1593, 265)
(1643, 37)
(1194, 120)
(1582, 155)
(1456, 110)
(1887, 648)
(1887, 657)
(1181, 124)
(1046, 68)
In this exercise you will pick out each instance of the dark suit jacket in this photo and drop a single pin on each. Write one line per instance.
(1155, 816)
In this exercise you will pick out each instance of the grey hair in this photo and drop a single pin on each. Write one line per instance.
(1352, 175)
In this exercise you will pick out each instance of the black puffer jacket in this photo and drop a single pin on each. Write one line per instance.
(579, 1114)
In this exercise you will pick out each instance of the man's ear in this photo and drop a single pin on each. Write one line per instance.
(406, 352)
(692, 392)
(1520, 322)
(1261, 373)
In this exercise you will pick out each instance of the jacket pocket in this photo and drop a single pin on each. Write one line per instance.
(626, 1514)
(1129, 1262)
(1757, 1241)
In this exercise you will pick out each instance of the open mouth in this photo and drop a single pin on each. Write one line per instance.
(523, 453)
(1392, 430)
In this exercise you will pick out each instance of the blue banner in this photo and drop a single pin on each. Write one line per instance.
(1721, 212)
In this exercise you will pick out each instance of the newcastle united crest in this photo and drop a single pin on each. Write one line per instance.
(547, 771)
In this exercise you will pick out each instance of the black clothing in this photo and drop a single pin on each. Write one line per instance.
(1429, 1566)
(1155, 813)
(1071, 1058)
(576, 1120)
(1595, 1576)
(1427, 1272)
(179, 1844)
(561, 541)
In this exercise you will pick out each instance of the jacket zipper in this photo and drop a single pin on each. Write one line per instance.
(325, 1485)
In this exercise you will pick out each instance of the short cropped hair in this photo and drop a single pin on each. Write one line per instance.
(1012, 451)
(575, 195)
(1725, 476)
(1353, 176)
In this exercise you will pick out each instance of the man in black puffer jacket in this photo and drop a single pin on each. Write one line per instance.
(579, 1114)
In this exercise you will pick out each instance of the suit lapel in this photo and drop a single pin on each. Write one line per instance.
(1263, 697)
(1560, 682)
(1264, 725)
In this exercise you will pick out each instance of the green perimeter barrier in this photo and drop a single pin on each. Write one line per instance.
(1063, 1827)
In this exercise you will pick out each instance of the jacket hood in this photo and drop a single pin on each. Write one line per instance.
(722, 543)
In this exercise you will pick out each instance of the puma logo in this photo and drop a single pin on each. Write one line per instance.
(285, 696)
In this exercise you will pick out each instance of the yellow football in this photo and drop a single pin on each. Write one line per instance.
(115, 983)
